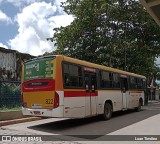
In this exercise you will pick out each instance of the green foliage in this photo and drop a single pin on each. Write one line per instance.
(116, 33)
(8, 108)
(10, 90)
(6, 90)
(10, 95)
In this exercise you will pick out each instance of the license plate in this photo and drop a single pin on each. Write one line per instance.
(37, 112)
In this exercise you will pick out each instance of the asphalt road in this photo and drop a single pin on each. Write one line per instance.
(88, 128)
(95, 126)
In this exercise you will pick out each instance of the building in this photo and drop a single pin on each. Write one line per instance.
(153, 8)
(10, 64)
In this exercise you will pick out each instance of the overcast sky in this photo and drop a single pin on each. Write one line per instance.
(25, 24)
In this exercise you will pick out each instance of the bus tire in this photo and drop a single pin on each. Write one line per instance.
(139, 108)
(107, 111)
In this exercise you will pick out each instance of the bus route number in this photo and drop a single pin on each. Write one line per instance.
(49, 101)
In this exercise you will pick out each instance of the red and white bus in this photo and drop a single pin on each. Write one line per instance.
(60, 86)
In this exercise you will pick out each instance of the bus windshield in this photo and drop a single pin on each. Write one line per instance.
(39, 68)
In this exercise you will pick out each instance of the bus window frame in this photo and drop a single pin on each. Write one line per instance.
(63, 76)
(136, 85)
(98, 78)
(118, 80)
(111, 80)
(127, 87)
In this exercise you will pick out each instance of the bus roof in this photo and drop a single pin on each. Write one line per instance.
(97, 66)
(39, 57)
(88, 64)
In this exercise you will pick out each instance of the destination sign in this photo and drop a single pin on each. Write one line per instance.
(39, 68)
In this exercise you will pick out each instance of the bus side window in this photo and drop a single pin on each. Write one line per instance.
(124, 84)
(105, 79)
(116, 81)
(80, 77)
(66, 74)
(67, 81)
(136, 83)
(132, 83)
(86, 80)
(72, 76)
(111, 79)
(139, 84)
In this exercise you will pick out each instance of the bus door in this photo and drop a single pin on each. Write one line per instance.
(91, 93)
(124, 89)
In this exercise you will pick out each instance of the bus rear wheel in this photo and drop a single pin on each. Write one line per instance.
(107, 111)
(139, 108)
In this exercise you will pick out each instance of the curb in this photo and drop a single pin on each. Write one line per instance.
(16, 121)
(153, 102)
(11, 115)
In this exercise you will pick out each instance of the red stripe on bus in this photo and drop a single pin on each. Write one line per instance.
(30, 86)
(79, 94)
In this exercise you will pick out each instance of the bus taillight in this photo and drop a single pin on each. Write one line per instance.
(56, 100)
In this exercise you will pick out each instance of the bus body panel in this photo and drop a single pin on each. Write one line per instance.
(38, 85)
(74, 103)
(80, 107)
(92, 103)
(39, 99)
(57, 112)
(45, 111)
(114, 95)
(133, 98)
(58, 74)
(75, 112)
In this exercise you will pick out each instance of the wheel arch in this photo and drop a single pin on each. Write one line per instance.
(110, 102)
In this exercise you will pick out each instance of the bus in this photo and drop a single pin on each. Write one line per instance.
(64, 87)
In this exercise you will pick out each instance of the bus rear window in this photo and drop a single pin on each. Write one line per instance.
(39, 68)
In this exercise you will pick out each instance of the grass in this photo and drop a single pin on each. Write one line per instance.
(5, 108)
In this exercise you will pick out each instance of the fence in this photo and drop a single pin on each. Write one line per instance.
(10, 94)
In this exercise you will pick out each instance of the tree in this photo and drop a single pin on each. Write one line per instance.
(116, 33)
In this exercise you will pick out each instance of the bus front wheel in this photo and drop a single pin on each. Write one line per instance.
(107, 111)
